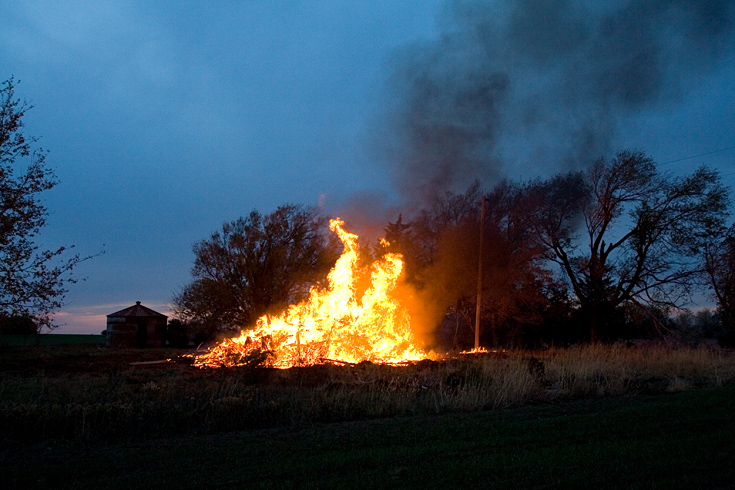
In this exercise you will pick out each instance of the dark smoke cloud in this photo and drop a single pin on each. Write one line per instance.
(540, 83)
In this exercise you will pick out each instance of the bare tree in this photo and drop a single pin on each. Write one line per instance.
(720, 267)
(33, 282)
(624, 232)
(447, 212)
(447, 238)
(516, 277)
(445, 255)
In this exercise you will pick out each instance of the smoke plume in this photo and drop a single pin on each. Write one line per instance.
(537, 84)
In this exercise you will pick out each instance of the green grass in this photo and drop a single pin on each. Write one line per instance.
(681, 440)
(85, 416)
(50, 339)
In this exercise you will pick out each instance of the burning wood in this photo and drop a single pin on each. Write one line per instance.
(333, 323)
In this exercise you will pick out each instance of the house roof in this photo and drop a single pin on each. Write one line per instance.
(137, 310)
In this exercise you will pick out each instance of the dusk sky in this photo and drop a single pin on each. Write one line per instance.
(165, 119)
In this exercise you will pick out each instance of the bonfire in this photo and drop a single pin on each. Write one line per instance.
(339, 323)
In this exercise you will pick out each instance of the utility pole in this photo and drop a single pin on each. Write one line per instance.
(479, 278)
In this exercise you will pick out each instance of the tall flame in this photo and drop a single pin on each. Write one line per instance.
(333, 324)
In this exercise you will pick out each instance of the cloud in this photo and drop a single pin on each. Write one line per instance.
(540, 84)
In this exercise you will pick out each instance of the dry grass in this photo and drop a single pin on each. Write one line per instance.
(617, 369)
(144, 401)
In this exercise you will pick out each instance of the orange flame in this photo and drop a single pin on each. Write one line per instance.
(332, 324)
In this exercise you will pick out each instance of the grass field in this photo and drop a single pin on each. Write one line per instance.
(675, 441)
(584, 417)
(50, 339)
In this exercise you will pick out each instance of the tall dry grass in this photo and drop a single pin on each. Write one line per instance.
(617, 369)
(140, 403)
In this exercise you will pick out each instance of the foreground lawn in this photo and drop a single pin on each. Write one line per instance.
(50, 339)
(678, 440)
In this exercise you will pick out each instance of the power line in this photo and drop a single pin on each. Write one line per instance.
(700, 155)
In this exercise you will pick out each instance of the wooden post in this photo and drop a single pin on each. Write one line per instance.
(479, 278)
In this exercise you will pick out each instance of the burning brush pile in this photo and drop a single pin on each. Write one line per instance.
(340, 323)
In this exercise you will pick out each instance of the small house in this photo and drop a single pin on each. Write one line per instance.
(136, 326)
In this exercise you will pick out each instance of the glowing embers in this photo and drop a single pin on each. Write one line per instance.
(333, 324)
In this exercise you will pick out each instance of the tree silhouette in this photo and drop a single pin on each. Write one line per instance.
(622, 232)
(720, 267)
(33, 282)
(445, 237)
(255, 265)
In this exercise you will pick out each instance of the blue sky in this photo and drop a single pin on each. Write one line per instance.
(166, 119)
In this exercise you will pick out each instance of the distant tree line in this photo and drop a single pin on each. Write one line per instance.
(598, 255)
